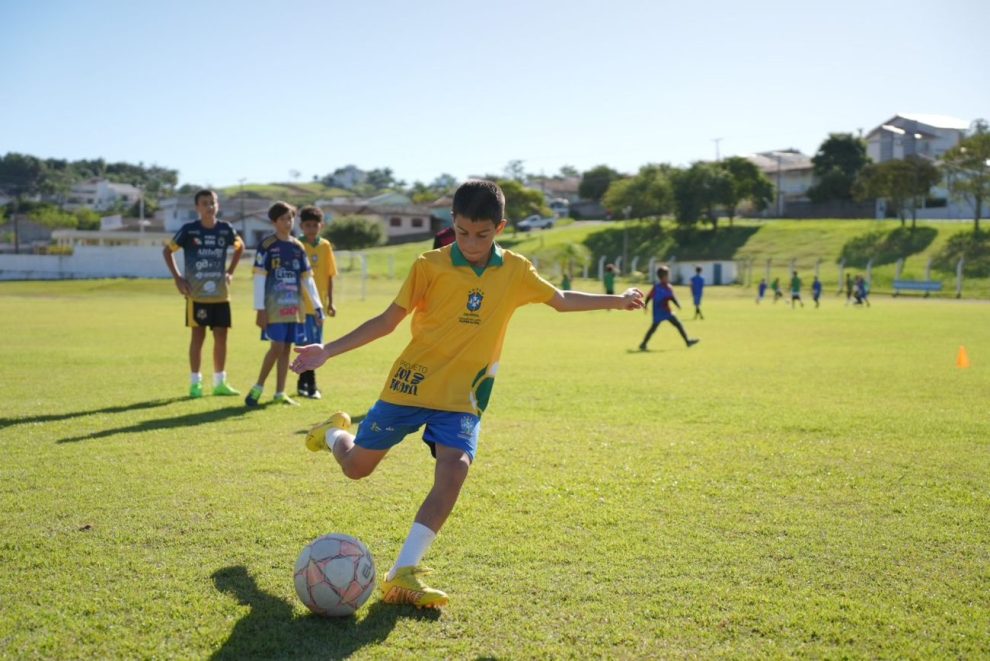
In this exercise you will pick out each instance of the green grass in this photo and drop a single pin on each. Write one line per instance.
(806, 483)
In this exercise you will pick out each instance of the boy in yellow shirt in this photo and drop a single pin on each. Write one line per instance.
(324, 268)
(461, 297)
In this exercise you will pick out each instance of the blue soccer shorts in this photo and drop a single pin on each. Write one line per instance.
(313, 331)
(387, 424)
(290, 333)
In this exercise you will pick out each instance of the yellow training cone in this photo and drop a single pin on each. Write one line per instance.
(962, 358)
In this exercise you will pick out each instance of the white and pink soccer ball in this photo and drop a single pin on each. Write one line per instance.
(335, 575)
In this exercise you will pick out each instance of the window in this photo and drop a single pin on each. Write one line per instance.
(417, 222)
(395, 222)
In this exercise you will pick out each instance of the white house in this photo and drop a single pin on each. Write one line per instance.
(790, 171)
(349, 176)
(100, 195)
(927, 136)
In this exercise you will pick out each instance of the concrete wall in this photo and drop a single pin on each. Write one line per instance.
(87, 262)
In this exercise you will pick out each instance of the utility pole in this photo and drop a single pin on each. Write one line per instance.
(241, 195)
(718, 157)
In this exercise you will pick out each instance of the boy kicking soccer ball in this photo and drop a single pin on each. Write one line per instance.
(461, 297)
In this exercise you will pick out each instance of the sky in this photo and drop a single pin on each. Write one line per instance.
(259, 91)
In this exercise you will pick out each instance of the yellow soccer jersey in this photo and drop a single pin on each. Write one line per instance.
(324, 266)
(458, 326)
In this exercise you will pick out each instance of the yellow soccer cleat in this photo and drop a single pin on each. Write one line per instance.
(408, 588)
(316, 439)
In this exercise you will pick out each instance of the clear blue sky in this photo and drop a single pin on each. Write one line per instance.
(225, 90)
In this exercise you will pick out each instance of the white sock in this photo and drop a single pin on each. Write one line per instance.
(196, 377)
(218, 378)
(332, 435)
(417, 544)
(280, 393)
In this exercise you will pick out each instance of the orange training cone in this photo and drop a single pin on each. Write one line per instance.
(962, 358)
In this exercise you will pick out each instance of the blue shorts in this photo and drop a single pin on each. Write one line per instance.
(290, 333)
(387, 424)
(313, 332)
(662, 316)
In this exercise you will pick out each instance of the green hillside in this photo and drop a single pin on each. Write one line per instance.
(780, 241)
(294, 193)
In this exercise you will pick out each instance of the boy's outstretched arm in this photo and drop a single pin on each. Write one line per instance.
(578, 301)
(313, 355)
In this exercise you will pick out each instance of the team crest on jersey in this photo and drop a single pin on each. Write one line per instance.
(475, 296)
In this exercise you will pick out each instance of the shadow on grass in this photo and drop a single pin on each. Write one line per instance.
(187, 420)
(123, 408)
(272, 631)
(886, 247)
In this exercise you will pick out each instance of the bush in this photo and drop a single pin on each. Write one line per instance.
(886, 247)
(973, 247)
(354, 233)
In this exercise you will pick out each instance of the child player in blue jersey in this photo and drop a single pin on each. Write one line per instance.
(661, 296)
(281, 273)
(816, 290)
(204, 282)
(697, 287)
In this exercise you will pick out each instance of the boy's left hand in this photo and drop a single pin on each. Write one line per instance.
(632, 299)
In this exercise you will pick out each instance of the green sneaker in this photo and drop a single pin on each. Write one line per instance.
(282, 398)
(316, 439)
(253, 396)
(196, 391)
(224, 390)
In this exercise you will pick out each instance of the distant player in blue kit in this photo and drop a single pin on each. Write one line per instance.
(281, 275)
(697, 287)
(816, 290)
(761, 290)
(661, 296)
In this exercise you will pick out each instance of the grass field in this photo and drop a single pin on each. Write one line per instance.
(803, 483)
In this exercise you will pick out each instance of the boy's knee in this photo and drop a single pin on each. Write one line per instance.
(357, 472)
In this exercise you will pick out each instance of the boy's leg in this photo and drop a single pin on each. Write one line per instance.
(649, 334)
(196, 339)
(219, 349)
(355, 462)
(283, 366)
(271, 357)
(403, 584)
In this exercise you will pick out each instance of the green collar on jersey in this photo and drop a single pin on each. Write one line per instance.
(457, 258)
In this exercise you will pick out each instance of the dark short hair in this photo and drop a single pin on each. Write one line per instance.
(205, 192)
(311, 213)
(662, 271)
(279, 209)
(478, 199)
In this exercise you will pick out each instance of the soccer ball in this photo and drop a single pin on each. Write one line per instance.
(335, 575)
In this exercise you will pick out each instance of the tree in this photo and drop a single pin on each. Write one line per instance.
(515, 171)
(902, 183)
(967, 169)
(595, 182)
(354, 233)
(649, 193)
(837, 162)
(748, 183)
(381, 179)
(521, 202)
(567, 171)
(21, 175)
(699, 191)
(51, 217)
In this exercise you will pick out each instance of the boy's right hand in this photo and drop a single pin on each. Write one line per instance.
(183, 286)
(261, 319)
(310, 357)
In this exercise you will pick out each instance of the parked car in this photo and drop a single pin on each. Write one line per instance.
(535, 222)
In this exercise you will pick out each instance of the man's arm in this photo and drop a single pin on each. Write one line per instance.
(313, 355)
(577, 301)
